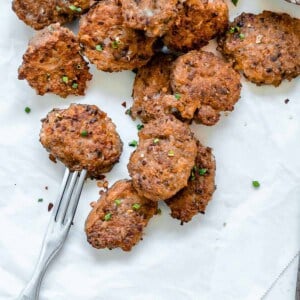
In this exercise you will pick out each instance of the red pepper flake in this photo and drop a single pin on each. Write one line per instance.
(124, 104)
(50, 206)
(286, 101)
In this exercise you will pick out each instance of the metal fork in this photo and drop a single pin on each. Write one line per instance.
(58, 229)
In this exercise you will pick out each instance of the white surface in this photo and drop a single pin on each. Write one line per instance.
(201, 260)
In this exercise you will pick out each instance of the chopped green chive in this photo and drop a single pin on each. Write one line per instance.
(139, 126)
(107, 217)
(234, 29)
(241, 36)
(65, 79)
(235, 2)
(75, 85)
(202, 172)
(171, 153)
(75, 8)
(136, 206)
(27, 109)
(256, 184)
(133, 143)
(115, 44)
(84, 133)
(99, 48)
(128, 111)
(118, 202)
(177, 96)
(156, 141)
(40, 200)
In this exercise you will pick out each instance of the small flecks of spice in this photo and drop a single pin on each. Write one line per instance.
(136, 206)
(58, 8)
(99, 48)
(118, 202)
(241, 36)
(128, 111)
(124, 104)
(158, 212)
(235, 2)
(27, 109)
(139, 126)
(75, 85)
(177, 96)
(84, 133)
(115, 44)
(40, 200)
(255, 184)
(50, 206)
(107, 217)
(46, 188)
(133, 143)
(286, 101)
(171, 153)
(156, 141)
(259, 39)
(234, 29)
(202, 172)
(75, 8)
(65, 79)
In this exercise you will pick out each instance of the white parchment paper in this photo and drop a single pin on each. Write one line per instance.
(234, 252)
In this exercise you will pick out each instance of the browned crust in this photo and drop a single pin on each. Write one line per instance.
(129, 216)
(62, 135)
(194, 198)
(264, 46)
(197, 22)
(161, 164)
(121, 48)
(52, 55)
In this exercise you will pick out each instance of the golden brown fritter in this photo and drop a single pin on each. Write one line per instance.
(153, 16)
(264, 46)
(197, 22)
(53, 64)
(151, 83)
(82, 137)
(41, 13)
(119, 217)
(162, 163)
(108, 44)
(203, 85)
(194, 198)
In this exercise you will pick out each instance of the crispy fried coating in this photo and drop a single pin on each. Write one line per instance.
(82, 137)
(119, 217)
(41, 13)
(110, 45)
(153, 16)
(203, 85)
(265, 47)
(194, 198)
(197, 22)
(52, 63)
(151, 83)
(162, 162)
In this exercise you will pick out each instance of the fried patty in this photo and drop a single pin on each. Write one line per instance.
(52, 63)
(39, 14)
(203, 85)
(197, 22)
(194, 198)
(119, 217)
(82, 137)
(110, 45)
(151, 83)
(162, 162)
(265, 47)
(153, 16)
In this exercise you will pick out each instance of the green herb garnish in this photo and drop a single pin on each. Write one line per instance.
(156, 141)
(40, 200)
(133, 143)
(136, 206)
(171, 153)
(84, 133)
(177, 96)
(139, 126)
(202, 172)
(118, 202)
(128, 111)
(99, 48)
(256, 184)
(241, 36)
(27, 109)
(75, 85)
(75, 8)
(115, 44)
(107, 217)
(65, 79)
(235, 2)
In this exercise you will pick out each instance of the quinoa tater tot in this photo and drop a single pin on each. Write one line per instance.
(119, 217)
(82, 137)
(162, 163)
(197, 22)
(53, 64)
(265, 47)
(194, 198)
(151, 83)
(153, 16)
(110, 45)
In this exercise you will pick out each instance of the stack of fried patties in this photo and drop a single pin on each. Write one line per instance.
(176, 83)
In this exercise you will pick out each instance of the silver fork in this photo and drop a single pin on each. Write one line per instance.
(58, 229)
